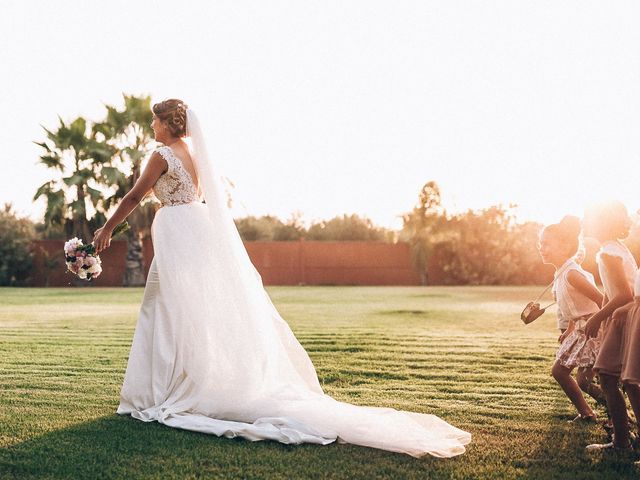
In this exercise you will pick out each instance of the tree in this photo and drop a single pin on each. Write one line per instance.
(488, 247)
(128, 132)
(421, 225)
(16, 257)
(483, 247)
(73, 198)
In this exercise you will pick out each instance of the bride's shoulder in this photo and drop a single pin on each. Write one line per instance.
(161, 158)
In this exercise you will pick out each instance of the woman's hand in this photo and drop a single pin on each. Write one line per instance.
(592, 327)
(101, 239)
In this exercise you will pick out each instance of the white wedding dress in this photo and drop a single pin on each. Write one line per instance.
(212, 354)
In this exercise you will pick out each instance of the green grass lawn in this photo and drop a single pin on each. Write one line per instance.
(461, 353)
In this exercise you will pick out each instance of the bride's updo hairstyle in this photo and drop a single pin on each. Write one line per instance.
(174, 113)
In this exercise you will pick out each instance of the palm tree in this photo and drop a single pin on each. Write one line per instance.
(128, 132)
(74, 201)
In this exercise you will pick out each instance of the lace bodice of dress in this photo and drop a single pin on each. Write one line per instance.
(175, 186)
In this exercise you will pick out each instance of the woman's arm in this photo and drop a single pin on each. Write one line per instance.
(585, 287)
(622, 296)
(156, 167)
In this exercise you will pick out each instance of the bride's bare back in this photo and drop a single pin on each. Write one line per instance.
(176, 185)
(181, 152)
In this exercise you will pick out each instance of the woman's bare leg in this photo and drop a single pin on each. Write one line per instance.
(563, 376)
(633, 392)
(584, 377)
(617, 409)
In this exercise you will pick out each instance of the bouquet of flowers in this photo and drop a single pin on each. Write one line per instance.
(82, 260)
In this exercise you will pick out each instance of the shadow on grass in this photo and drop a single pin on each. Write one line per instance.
(562, 454)
(121, 447)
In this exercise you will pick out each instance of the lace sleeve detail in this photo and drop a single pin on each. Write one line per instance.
(175, 186)
(167, 157)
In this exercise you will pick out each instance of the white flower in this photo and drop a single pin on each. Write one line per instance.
(82, 273)
(72, 245)
(94, 269)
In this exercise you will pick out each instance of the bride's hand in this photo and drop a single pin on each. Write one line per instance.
(101, 239)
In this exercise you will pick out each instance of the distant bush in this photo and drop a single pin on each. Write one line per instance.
(16, 256)
(258, 228)
(488, 247)
(348, 227)
(476, 247)
(340, 228)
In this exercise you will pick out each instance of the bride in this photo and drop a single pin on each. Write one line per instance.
(210, 351)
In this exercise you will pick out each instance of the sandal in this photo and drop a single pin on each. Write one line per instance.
(611, 446)
(584, 419)
(595, 447)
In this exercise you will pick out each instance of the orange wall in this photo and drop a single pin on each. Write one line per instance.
(279, 263)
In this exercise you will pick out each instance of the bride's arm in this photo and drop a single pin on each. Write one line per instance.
(156, 167)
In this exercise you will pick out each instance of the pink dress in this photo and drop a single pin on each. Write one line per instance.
(612, 350)
(631, 351)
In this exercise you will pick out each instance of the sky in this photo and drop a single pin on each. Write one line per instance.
(339, 107)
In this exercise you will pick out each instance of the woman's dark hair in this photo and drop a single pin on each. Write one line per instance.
(567, 232)
(174, 113)
(607, 220)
